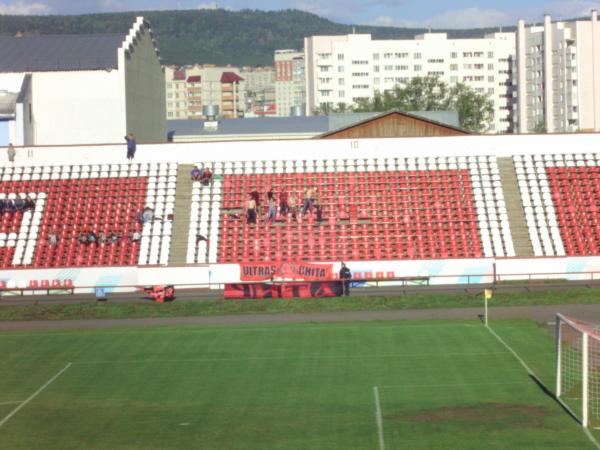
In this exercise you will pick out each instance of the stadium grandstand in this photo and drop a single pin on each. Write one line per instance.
(445, 208)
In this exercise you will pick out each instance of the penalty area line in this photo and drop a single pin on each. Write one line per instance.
(34, 395)
(378, 418)
(587, 432)
(14, 402)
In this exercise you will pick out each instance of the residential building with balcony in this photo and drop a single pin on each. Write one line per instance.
(190, 88)
(345, 69)
(290, 85)
(558, 76)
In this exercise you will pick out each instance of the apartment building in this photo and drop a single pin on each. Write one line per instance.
(344, 69)
(558, 76)
(290, 84)
(260, 90)
(191, 88)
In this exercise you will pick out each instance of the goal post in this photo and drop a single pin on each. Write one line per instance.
(578, 368)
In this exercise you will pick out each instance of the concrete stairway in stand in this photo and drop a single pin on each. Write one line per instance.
(181, 220)
(514, 208)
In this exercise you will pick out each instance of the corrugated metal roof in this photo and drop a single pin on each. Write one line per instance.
(261, 125)
(292, 125)
(47, 53)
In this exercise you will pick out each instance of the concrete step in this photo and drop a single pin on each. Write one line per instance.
(181, 213)
(514, 208)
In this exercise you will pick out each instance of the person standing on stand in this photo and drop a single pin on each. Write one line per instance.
(345, 277)
(131, 146)
(11, 153)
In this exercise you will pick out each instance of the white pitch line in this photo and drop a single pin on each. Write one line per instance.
(434, 385)
(379, 418)
(35, 394)
(290, 358)
(587, 432)
(14, 402)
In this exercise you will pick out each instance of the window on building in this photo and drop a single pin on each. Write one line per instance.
(376, 80)
(453, 55)
(490, 67)
(467, 66)
(376, 56)
(360, 74)
(340, 69)
(467, 54)
(417, 56)
(360, 62)
(401, 55)
(491, 91)
(490, 54)
(360, 86)
(478, 66)
(491, 78)
(340, 56)
(340, 81)
(324, 55)
(478, 54)
(375, 68)
(341, 93)
(453, 67)
(417, 68)
(324, 69)
(435, 61)
(387, 55)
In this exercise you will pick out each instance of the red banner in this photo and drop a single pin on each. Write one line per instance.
(285, 270)
(315, 289)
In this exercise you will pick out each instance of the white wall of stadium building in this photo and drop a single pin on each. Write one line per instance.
(442, 271)
(65, 107)
(341, 69)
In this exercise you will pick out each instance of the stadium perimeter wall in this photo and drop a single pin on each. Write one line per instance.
(186, 153)
(439, 272)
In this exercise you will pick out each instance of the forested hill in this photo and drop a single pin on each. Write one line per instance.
(247, 37)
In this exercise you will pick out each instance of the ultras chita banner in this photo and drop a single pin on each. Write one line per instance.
(285, 270)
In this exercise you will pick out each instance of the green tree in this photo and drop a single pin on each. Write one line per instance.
(475, 110)
(328, 108)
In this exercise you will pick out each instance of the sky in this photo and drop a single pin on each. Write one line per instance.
(404, 13)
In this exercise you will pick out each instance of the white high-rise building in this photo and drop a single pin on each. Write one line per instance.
(343, 69)
(289, 82)
(558, 76)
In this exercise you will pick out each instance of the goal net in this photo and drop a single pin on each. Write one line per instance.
(578, 368)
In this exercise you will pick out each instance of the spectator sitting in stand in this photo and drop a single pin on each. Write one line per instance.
(196, 174)
(136, 236)
(114, 238)
(29, 204)
(9, 205)
(206, 177)
(146, 216)
(92, 238)
(19, 203)
(83, 238)
(102, 238)
(52, 238)
(309, 200)
(200, 238)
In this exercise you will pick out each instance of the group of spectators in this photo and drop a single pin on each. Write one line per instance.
(18, 204)
(90, 237)
(288, 204)
(203, 175)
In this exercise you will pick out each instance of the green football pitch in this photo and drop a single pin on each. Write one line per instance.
(381, 385)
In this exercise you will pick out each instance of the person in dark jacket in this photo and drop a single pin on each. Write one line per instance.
(345, 277)
(131, 146)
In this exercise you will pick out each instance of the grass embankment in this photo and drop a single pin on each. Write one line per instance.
(121, 310)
